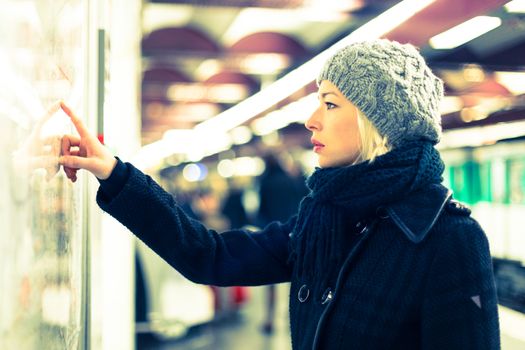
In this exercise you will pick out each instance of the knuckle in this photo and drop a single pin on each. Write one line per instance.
(71, 162)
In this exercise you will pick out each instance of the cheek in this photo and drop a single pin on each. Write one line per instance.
(348, 133)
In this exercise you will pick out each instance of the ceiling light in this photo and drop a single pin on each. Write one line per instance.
(482, 110)
(305, 74)
(241, 166)
(194, 172)
(300, 77)
(296, 112)
(473, 73)
(227, 93)
(248, 166)
(208, 68)
(513, 81)
(494, 104)
(272, 121)
(470, 114)
(195, 111)
(271, 139)
(264, 63)
(464, 32)
(241, 135)
(515, 6)
(335, 5)
(226, 168)
(152, 154)
(252, 20)
(220, 93)
(450, 104)
(476, 136)
(158, 16)
(387, 21)
(187, 92)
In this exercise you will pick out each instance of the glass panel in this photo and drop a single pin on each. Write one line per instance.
(498, 180)
(485, 181)
(458, 180)
(41, 249)
(517, 180)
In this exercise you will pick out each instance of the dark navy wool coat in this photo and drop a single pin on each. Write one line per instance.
(418, 277)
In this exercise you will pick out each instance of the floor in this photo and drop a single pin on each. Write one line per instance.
(242, 331)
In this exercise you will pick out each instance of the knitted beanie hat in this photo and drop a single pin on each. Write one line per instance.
(392, 85)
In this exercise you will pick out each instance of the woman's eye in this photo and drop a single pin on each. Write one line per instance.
(329, 105)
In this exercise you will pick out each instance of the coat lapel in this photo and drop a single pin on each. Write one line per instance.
(416, 215)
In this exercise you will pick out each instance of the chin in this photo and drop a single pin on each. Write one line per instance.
(322, 163)
(327, 164)
(331, 163)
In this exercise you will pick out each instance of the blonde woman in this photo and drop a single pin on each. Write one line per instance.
(379, 256)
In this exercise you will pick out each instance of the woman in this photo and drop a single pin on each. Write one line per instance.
(379, 256)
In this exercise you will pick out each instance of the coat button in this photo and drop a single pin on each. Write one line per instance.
(360, 228)
(327, 296)
(303, 293)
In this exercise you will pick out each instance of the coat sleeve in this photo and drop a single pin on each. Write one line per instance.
(460, 308)
(237, 257)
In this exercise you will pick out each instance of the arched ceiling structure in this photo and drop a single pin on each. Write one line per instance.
(203, 57)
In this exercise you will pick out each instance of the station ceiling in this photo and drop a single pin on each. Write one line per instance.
(202, 57)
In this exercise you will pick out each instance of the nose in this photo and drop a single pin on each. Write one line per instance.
(313, 122)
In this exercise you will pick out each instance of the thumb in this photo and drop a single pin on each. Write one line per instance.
(75, 162)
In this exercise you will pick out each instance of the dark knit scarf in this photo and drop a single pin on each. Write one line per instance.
(342, 196)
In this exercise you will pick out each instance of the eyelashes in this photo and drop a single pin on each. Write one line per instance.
(330, 105)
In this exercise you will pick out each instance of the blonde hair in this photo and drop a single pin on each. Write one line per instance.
(373, 144)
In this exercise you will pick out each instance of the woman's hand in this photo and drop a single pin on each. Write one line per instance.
(84, 151)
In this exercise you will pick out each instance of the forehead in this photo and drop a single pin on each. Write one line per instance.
(327, 87)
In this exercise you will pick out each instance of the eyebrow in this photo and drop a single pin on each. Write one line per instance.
(324, 94)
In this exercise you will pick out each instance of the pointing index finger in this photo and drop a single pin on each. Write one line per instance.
(49, 113)
(82, 131)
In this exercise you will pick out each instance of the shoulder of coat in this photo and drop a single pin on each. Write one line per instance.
(454, 206)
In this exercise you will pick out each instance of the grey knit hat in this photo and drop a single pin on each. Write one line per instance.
(392, 85)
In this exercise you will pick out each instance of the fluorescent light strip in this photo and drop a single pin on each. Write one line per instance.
(464, 32)
(515, 6)
(513, 81)
(385, 22)
(480, 135)
(285, 86)
(304, 74)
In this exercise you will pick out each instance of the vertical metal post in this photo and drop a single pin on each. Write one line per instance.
(100, 82)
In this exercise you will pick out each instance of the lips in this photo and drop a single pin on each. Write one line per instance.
(318, 146)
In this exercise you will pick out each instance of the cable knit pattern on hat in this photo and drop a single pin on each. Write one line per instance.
(392, 85)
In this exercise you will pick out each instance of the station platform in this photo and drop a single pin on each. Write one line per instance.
(244, 331)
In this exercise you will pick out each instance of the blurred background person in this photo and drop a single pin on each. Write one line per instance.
(279, 197)
(233, 207)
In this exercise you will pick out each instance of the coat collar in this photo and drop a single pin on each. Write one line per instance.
(417, 213)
